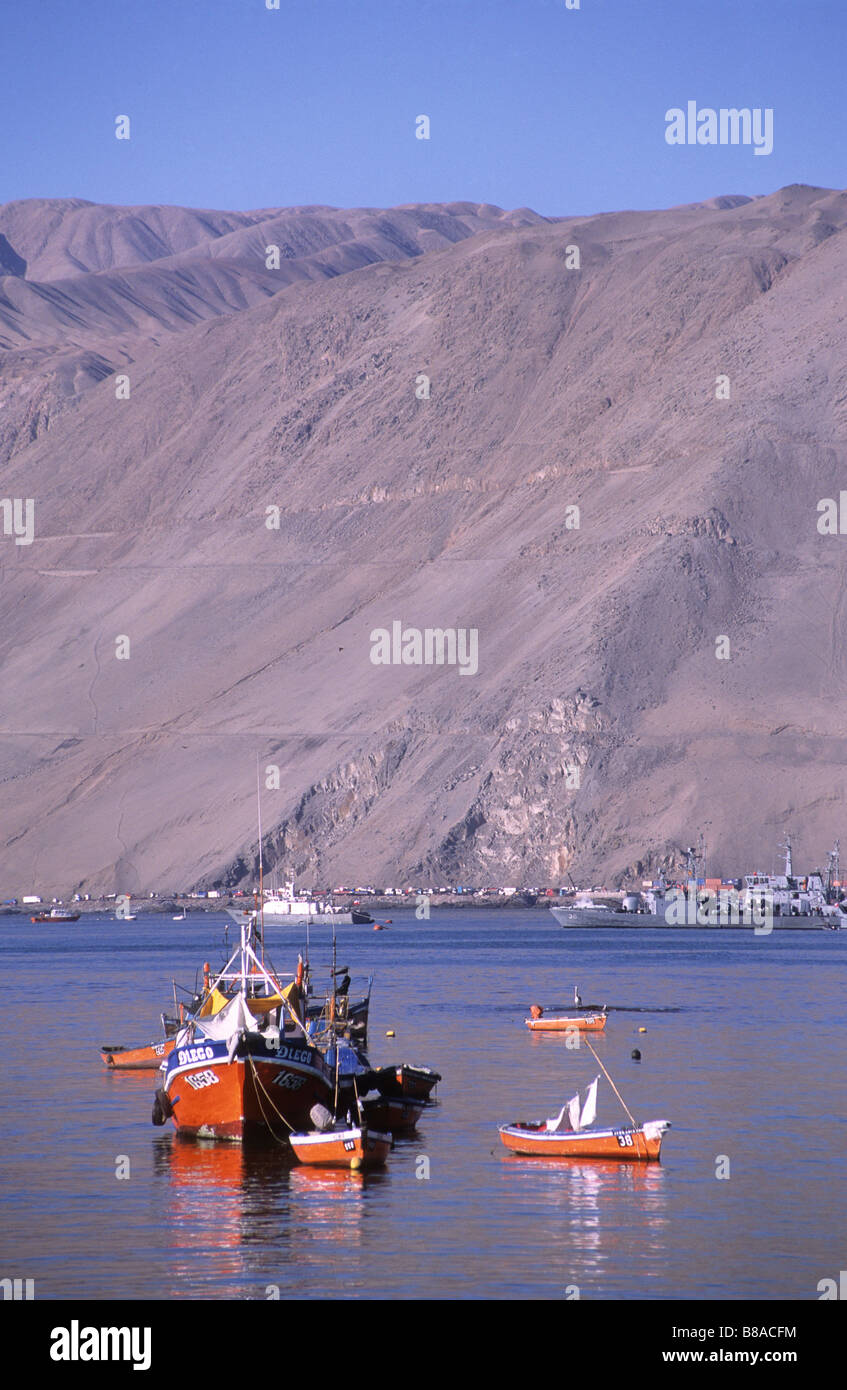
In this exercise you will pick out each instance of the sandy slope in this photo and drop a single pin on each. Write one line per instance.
(551, 387)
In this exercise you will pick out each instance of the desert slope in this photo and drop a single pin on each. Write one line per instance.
(551, 387)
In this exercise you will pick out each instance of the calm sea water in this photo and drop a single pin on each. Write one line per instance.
(743, 1053)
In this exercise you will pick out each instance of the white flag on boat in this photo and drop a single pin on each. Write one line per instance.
(589, 1110)
(562, 1120)
(573, 1112)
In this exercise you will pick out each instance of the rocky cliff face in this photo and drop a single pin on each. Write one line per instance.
(605, 465)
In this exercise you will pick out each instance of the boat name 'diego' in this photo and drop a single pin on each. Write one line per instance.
(195, 1054)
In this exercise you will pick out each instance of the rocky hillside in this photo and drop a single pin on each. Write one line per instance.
(599, 443)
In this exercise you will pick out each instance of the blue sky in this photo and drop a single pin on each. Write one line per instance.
(531, 104)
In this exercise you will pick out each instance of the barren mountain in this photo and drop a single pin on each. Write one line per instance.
(603, 727)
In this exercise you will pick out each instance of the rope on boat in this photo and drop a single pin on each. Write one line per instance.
(611, 1083)
(270, 1101)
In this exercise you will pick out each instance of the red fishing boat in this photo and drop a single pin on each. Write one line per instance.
(342, 1146)
(250, 1069)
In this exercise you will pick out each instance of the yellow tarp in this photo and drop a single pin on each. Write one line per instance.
(264, 1004)
(213, 1004)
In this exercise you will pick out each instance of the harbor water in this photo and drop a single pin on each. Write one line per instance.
(742, 1053)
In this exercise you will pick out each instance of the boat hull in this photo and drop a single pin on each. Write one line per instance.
(273, 915)
(355, 1147)
(590, 1023)
(608, 917)
(406, 1082)
(395, 1115)
(148, 1058)
(257, 1095)
(637, 1145)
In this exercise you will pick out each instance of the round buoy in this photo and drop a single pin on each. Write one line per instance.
(390, 1033)
(355, 1164)
(636, 1055)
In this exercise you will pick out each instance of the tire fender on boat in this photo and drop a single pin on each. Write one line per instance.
(162, 1107)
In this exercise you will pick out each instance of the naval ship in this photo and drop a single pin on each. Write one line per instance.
(765, 902)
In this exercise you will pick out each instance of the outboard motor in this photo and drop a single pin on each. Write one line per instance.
(321, 1118)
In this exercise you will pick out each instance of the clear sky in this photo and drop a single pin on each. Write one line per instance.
(233, 105)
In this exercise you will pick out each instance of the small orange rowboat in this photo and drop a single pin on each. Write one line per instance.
(147, 1058)
(346, 1147)
(640, 1144)
(585, 1023)
(573, 1134)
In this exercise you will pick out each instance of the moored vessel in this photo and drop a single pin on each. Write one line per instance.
(148, 1057)
(573, 1134)
(250, 1069)
(641, 1143)
(405, 1081)
(584, 1023)
(395, 1115)
(286, 906)
(342, 1146)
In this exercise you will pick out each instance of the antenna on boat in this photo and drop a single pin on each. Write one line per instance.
(261, 865)
(332, 987)
(610, 1081)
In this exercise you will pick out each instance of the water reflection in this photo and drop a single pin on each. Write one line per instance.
(233, 1203)
(578, 1196)
(329, 1205)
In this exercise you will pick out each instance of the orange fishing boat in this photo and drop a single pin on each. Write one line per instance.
(573, 1134)
(585, 1023)
(248, 1069)
(342, 1146)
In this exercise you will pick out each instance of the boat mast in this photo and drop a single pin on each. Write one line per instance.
(610, 1081)
(261, 865)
